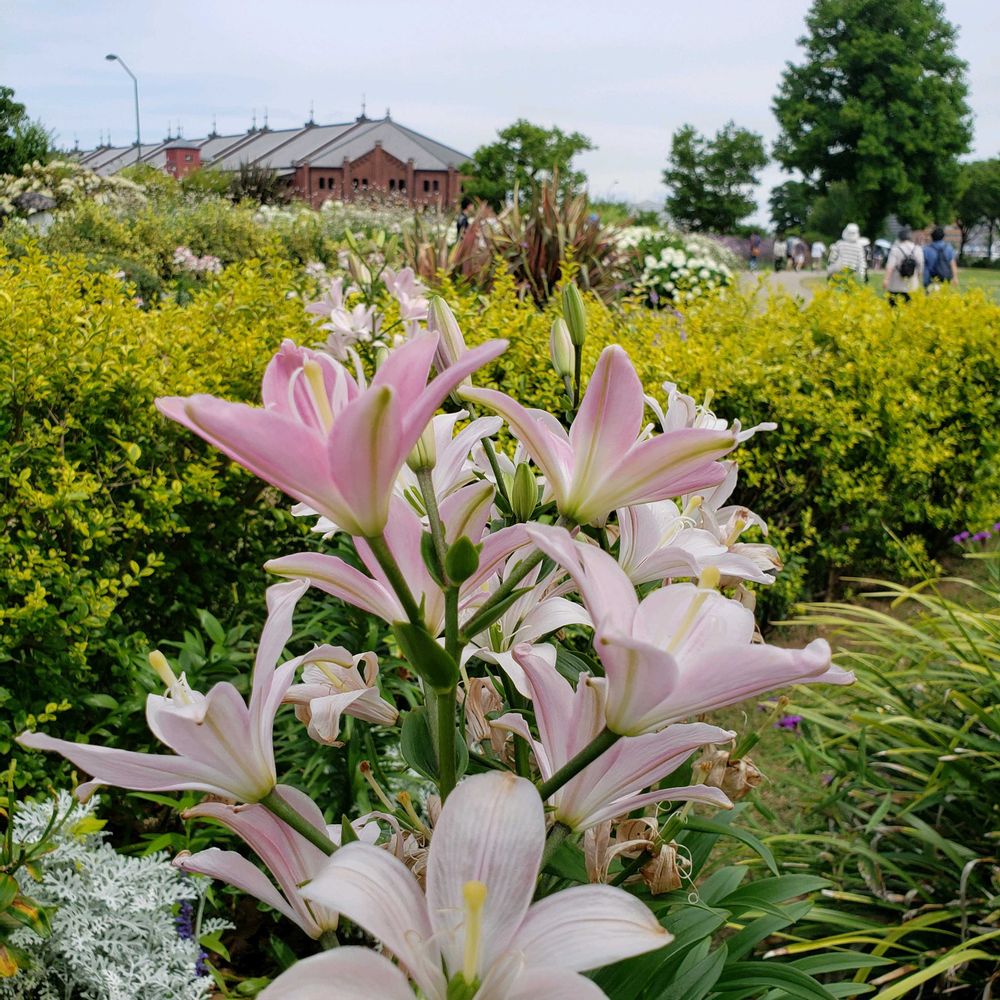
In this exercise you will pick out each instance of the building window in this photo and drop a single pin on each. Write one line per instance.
(188, 157)
(435, 185)
(402, 186)
(427, 185)
(392, 183)
(331, 182)
(355, 184)
(322, 183)
(364, 183)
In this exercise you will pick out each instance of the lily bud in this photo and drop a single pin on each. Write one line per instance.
(561, 349)
(424, 454)
(574, 314)
(359, 271)
(461, 560)
(381, 356)
(451, 344)
(524, 492)
(427, 658)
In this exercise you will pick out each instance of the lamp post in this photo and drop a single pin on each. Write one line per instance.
(111, 57)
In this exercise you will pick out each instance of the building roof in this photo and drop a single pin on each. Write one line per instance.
(402, 143)
(284, 149)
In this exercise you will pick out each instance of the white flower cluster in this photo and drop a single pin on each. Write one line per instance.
(186, 260)
(67, 183)
(336, 218)
(674, 275)
(115, 931)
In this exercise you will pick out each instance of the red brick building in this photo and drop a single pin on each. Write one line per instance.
(318, 162)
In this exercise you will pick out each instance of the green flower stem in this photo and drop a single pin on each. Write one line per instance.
(426, 480)
(556, 838)
(631, 868)
(395, 576)
(577, 377)
(275, 804)
(491, 457)
(446, 705)
(604, 740)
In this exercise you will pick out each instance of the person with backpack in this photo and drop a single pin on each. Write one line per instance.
(904, 270)
(940, 263)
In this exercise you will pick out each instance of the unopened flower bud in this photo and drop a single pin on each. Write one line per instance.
(451, 344)
(461, 560)
(424, 454)
(524, 492)
(574, 314)
(359, 271)
(561, 349)
(381, 356)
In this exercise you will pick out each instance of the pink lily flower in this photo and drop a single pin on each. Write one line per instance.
(222, 745)
(568, 720)
(464, 512)
(290, 858)
(316, 421)
(332, 686)
(657, 542)
(477, 924)
(603, 463)
(682, 650)
(682, 411)
(403, 286)
(532, 616)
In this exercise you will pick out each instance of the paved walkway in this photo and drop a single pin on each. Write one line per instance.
(800, 284)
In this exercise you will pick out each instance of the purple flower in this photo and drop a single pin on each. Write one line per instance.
(981, 536)
(962, 536)
(789, 722)
(996, 527)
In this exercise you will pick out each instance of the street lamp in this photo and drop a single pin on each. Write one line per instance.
(111, 57)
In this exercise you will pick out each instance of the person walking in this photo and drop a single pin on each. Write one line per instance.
(940, 263)
(904, 269)
(755, 248)
(817, 250)
(462, 222)
(847, 255)
(779, 253)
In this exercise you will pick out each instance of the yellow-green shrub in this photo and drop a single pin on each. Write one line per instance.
(115, 523)
(887, 419)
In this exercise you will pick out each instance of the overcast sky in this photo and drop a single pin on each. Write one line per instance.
(625, 74)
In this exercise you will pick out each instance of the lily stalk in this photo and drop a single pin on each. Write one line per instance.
(276, 805)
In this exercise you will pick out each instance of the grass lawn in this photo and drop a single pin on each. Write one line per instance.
(968, 277)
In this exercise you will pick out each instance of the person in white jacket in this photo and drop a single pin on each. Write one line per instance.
(847, 255)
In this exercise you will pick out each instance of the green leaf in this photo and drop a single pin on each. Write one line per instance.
(418, 750)
(101, 701)
(425, 656)
(212, 626)
(696, 975)
(8, 890)
(213, 942)
(751, 977)
(703, 825)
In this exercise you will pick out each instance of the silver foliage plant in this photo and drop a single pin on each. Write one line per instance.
(116, 934)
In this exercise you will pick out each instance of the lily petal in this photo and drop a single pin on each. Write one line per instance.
(351, 973)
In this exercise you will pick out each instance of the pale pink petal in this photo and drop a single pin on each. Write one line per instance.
(452, 457)
(497, 547)
(552, 984)
(406, 369)
(140, 772)
(467, 512)
(284, 389)
(275, 448)
(491, 830)
(376, 890)
(585, 927)
(325, 712)
(417, 416)
(607, 592)
(702, 794)
(236, 870)
(653, 469)
(511, 722)
(334, 576)
(552, 454)
(665, 619)
(365, 451)
(281, 601)
(351, 973)
(609, 418)
(548, 616)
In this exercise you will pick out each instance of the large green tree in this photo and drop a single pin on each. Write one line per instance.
(978, 201)
(21, 140)
(879, 102)
(711, 180)
(790, 204)
(523, 156)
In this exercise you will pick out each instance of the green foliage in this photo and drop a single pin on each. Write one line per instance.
(101, 494)
(523, 156)
(908, 812)
(978, 202)
(711, 181)
(22, 141)
(259, 184)
(790, 204)
(879, 102)
(870, 437)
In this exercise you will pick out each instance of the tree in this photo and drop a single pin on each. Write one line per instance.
(21, 140)
(978, 201)
(832, 211)
(523, 156)
(790, 204)
(711, 181)
(879, 102)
